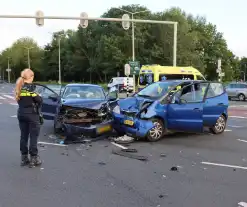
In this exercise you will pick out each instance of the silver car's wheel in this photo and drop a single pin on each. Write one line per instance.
(220, 125)
(241, 97)
(157, 132)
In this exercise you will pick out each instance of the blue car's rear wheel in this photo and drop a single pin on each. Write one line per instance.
(157, 132)
(220, 125)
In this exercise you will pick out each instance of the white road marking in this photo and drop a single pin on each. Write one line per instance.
(238, 117)
(14, 116)
(0, 103)
(14, 104)
(235, 126)
(224, 165)
(233, 106)
(8, 96)
(54, 144)
(242, 204)
(242, 140)
(118, 145)
(2, 98)
(228, 130)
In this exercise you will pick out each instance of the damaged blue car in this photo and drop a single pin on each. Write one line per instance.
(80, 110)
(176, 105)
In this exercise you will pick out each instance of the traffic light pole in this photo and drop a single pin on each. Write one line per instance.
(39, 17)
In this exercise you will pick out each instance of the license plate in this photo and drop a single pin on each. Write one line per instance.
(103, 129)
(129, 122)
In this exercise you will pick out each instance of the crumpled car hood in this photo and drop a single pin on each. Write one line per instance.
(133, 104)
(85, 103)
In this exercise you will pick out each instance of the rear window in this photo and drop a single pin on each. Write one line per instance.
(146, 79)
(163, 77)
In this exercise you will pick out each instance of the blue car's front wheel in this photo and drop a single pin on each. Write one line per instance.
(157, 132)
(219, 126)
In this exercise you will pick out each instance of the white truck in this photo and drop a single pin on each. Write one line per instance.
(121, 83)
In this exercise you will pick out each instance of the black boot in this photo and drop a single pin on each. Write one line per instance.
(24, 160)
(35, 161)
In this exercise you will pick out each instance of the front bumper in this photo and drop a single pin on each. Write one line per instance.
(139, 129)
(92, 131)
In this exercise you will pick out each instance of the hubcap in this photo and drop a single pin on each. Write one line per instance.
(220, 124)
(156, 132)
(241, 97)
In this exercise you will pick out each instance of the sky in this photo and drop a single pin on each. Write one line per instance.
(229, 16)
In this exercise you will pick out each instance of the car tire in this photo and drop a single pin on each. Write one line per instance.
(220, 125)
(241, 97)
(157, 132)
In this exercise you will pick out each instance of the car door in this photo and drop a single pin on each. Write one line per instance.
(185, 112)
(50, 102)
(229, 90)
(216, 104)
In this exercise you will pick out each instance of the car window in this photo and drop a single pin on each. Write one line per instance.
(163, 77)
(146, 79)
(215, 89)
(193, 93)
(243, 85)
(198, 77)
(111, 80)
(83, 92)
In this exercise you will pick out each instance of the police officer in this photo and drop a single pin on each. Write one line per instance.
(28, 117)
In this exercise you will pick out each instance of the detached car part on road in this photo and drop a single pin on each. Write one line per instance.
(176, 105)
(80, 110)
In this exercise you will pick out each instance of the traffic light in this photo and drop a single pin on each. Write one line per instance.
(40, 20)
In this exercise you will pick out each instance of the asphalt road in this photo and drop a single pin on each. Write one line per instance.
(211, 168)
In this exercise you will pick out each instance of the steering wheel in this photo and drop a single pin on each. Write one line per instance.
(73, 95)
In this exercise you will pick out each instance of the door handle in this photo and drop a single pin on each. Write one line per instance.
(220, 104)
(196, 109)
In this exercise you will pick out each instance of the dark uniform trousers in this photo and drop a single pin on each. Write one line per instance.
(30, 127)
(29, 124)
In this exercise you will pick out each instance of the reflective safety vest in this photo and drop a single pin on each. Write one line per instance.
(27, 93)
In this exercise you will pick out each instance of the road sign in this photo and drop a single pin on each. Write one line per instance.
(84, 22)
(40, 21)
(126, 23)
(127, 69)
(135, 67)
(8, 70)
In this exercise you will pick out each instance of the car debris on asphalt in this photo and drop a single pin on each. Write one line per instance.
(129, 155)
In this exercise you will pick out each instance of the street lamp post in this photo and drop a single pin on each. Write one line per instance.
(133, 37)
(8, 71)
(28, 55)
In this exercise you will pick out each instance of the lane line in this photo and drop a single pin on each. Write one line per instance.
(14, 104)
(242, 140)
(234, 126)
(224, 165)
(54, 144)
(8, 96)
(242, 204)
(118, 145)
(238, 117)
(14, 116)
(228, 130)
(2, 98)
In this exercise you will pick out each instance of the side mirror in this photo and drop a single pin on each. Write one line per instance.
(53, 97)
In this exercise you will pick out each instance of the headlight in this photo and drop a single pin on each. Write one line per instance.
(116, 109)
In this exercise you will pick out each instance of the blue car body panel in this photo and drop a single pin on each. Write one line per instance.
(213, 108)
(187, 117)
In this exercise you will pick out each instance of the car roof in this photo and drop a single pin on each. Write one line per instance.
(184, 81)
(83, 84)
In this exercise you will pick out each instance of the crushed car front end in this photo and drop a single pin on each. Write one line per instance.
(128, 119)
(78, 121)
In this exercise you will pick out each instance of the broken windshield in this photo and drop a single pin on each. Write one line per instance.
(83, 92)
(156, 90)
